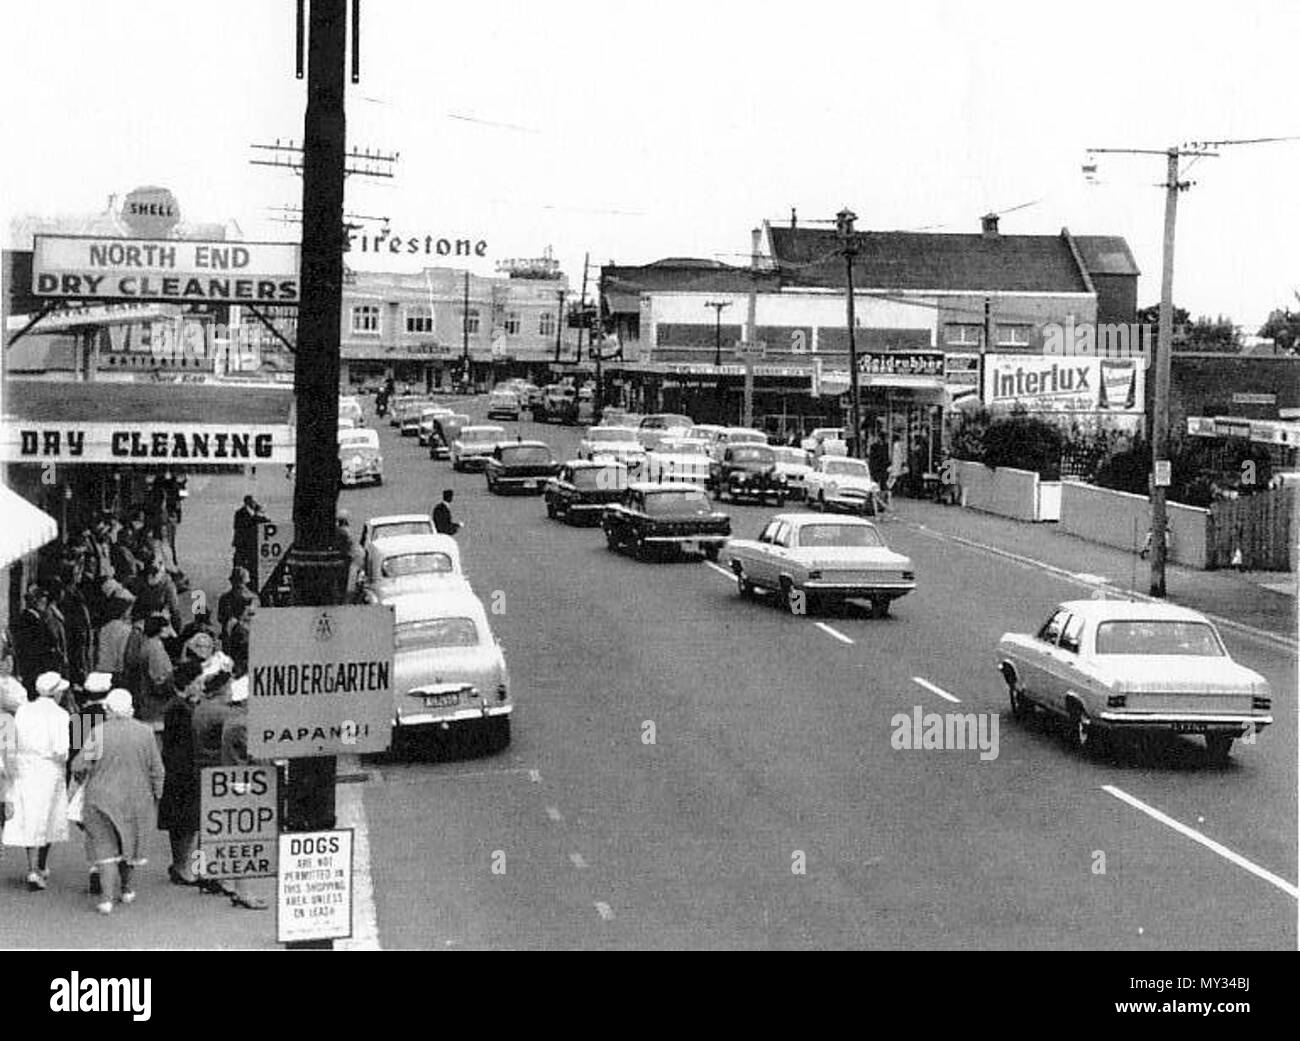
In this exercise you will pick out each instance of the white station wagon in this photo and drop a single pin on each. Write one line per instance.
(1106, 666)
(826, 559)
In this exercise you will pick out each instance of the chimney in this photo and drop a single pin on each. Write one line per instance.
(794, 219)
(989, 225)
(756, 247)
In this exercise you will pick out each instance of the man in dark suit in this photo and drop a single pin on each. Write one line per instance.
(442, 522)
(247, 519)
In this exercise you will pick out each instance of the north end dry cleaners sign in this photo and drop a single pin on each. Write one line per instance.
(70, 267)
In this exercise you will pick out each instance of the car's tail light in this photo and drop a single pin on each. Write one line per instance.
(1260, 703)
(814, 574)
(501, 692)
(909, 576)
(1116, 700)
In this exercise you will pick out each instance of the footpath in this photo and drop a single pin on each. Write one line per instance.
(1258, 603)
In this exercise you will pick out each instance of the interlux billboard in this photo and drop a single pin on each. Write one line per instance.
(1063, 384)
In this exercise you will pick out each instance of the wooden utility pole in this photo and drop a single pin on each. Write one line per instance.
(844, 224)
(464, 330)
(751, 325)
(582, 306)
(559, 326)
(318, 566)
(1164, 348)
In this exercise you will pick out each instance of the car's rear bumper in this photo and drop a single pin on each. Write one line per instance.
(710, 539)
(368, 477)
(1183, 722)
(448, 716)
(849, 590)
(851, 504)
(525, 484)
(473, 462)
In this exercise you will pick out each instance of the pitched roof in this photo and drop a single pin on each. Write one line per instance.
(921, 261)
(622, 285)
(1106, 255)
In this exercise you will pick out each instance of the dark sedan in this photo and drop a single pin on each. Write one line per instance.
(523, 466)
(748, 471)
(656, 517)
(582, 489)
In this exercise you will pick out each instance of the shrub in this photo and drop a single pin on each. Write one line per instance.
(967, 441)
(1024, 443)
(1127, 471)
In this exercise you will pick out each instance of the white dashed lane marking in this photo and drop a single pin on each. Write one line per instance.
(554, 813)
(577, 860)
(936, 690)
(1209, 843)
(832, 631)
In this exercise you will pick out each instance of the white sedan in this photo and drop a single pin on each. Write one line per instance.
(839, 483)
(472, 449)
(618, 443)
(401, 564)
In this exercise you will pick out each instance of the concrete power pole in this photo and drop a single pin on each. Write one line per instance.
(317, 567)
(1160, 403)
(751, 324)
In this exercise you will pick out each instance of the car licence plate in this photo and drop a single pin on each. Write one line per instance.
(530, 484)
(1191, 728)
(441, 700)
(692, 546)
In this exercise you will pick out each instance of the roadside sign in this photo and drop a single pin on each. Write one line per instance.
(756, 349)
(320, 681)
(273, 541)
(314, 886)
(1164, 475)
(238, 822)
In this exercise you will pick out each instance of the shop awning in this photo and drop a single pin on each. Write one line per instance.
(25, 529)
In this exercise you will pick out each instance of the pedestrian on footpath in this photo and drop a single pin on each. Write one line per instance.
(89, 716)
(248, 518)
(442, 522)
(878, 466)
(123, 777)
(151, 679)
(39, 787)
(897, 466)
(13, 695)
(231, 603)
(207, 719)
(35, 651)
(234, 752)
(178, 811)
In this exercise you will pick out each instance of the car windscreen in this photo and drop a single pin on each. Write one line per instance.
(846, 467)
(388, 531)
(839, 535)
(437, 632)
(353, 443)
(525, 455)
(480, 437)
(596, 478)
(415, 564)
(677, 504)
(1196, 639)
(793, 456)
(597, 434)
(752, 455)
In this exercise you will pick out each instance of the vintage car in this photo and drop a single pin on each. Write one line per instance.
(1113, 666)
(503, 404)
(657, 517)
(559, 404)
(408, 421)
(347, 423)
(351, 407)
(429, 415)
(394, 524)
(794, 464)
(735, 436)
(614, 416)
(819, 434)
(677, 460)
(474, 445)
(395, 405)
(660, 425)
(445, 431)
(448, 669)
(612, 442)
(839, 483)
(359, 457)
(582, 489)
(828, 559)
(520, 465)
(747, 471)
(395, 565)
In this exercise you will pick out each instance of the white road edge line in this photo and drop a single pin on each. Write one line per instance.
(604, 910)
(831, 631)
(352, 814)
(720, 569)
(1209, 843)
(936, 690)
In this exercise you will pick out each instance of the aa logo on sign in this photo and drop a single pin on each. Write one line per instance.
(323, 629)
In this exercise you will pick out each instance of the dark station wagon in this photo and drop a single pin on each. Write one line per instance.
(655, 517)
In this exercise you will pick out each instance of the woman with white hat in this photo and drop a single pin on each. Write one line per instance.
(39, 790)
(123, 777)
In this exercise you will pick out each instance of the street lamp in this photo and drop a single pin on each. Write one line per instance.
(844, 226)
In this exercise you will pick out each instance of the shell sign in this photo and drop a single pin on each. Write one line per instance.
(151, 212)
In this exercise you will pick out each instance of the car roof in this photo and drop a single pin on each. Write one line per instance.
(664, 486)
(808, 517)
(451, 600)
(745, 430)
(622, 429)
(525, 444)
(399, 518)
(594, 464)
(481, 426)
(393, 545)
(1130, 610)
(356, 434)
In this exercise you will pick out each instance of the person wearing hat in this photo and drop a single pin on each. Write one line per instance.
(123, 776)
(36, 650)
(151, 679)
(178, 810)
(231, 603)
(207, 722)
(155, 591)
(38, 789)
(248, 518)
(89, 716)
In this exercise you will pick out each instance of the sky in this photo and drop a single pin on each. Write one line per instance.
(635, 132)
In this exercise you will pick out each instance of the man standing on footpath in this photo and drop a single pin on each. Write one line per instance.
(247, 520)
(442, 522)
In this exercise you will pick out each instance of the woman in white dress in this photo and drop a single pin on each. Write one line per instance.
(38, 786)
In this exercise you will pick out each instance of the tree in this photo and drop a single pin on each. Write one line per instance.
(1283, 328)
(1201, 334)
(1025, 443)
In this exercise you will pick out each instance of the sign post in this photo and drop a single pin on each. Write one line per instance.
(314, 887)
(273, 542)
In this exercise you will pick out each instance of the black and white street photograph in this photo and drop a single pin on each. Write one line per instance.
(727, 476)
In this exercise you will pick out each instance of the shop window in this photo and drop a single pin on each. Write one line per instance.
(365, 319)
(471, 320)
(1013, 335)
(512, 323)
(546, 324)
(419, 319)
(963, 334)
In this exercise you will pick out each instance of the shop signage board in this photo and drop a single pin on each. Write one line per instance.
(81, 267)
(238, 822)
(902, 363)
(1050, 383)
(314, 886)
(1164, 473)
(320, 681)
(144, 443)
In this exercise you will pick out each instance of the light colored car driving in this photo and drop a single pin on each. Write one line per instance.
(503, 404)
(394, 524)
(809, 559)
(618, 443)
(840, 483)
(474, 446)
(399, 564)
(1114, 666)
(448, 668)
(794, 464)
(360, 461)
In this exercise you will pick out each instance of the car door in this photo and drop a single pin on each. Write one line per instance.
(758, 561)
(1067, 675)
(1041, 672)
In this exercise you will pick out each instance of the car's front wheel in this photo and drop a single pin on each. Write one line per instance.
(711, 552)
(551, 511)
(611, 541)
(743, 585)
(1219, 748)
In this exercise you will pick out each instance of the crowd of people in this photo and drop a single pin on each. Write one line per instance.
(104, 654)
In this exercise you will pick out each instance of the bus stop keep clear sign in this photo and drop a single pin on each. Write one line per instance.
(238, 822)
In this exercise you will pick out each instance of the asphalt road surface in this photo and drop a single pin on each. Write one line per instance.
(691, 770)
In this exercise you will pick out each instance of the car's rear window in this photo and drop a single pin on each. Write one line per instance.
(690, 503)
(416, 564)
(839, 535)
(752, 455)
(525, 456)
(1195, 639)
(388, 531)
(438, 632)
(846, 467)
(594, 478)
